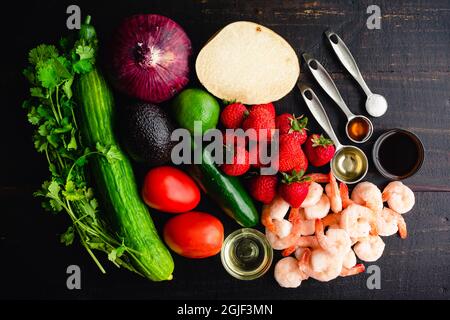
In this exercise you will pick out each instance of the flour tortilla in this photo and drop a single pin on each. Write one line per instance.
(248, 63)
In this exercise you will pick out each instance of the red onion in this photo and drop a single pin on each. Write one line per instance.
(149, 57)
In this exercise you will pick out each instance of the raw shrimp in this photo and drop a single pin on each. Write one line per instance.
(355, 220)
(276, 210)
(335, 241)
(401, 224)
(367, 194)
(275, 241)
(356, 269)
(343, 191)
(370, 248)
(299, 253)
(332, 219)
(346, 201)
(389, 222)
(349, 259)
(399, 197)
(319, 210)
(320, 264)
(307, 227)
(386, 223)
(332, 191)
(280, 243)
(283, 227)
(288, 273)
(315, 191)
(318, 177)
(301, 242)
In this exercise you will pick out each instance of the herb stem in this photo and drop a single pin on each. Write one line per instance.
(83, 236)
(69, 174)
(57, 103)
(53, 108)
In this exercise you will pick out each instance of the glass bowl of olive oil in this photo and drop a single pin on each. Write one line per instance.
(349, 164)
(246, 254)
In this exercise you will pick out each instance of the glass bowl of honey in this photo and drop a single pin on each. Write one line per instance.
(359, 129)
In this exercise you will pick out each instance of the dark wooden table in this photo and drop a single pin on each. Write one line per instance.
(407, 60)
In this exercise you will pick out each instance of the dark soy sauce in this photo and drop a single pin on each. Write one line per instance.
(399, 154)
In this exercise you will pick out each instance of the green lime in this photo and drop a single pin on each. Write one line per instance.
(196, 105)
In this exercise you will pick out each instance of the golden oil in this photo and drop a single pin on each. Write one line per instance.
(349, 164)
(246, 254)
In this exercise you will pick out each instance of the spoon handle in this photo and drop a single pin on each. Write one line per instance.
(326, 82)
(318, 112)
(347, 60)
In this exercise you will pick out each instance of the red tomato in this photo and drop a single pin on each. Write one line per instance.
(171, 190)
(194, 234)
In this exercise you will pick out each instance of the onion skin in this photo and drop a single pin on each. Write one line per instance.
(150, 58)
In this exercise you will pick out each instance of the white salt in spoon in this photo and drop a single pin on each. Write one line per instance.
(376, 104)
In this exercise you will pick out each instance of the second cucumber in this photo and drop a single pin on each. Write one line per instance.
(227, 191)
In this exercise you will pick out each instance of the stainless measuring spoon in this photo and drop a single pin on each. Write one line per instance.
(365, 126)
(376, 104)
(349, 163)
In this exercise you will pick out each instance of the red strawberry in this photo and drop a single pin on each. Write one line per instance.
(232, 138)
(233, 115)
(254, 156)
(290, 152)
(239, 164)
(319, 150)
(289, 124)
(262, 121)
(266, 106)
(263, 188)
(294, 188)
(303, 162)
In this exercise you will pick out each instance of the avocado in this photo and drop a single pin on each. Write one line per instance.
(146, 133)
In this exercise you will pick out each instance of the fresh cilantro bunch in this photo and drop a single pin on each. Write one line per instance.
(51, 109)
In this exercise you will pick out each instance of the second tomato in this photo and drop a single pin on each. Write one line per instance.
(171, 190)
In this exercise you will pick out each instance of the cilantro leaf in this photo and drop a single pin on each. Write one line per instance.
(37, 92)
(40, 143)
(85, 52)
(47, 74)
(116, 253)
(53, 190)
(68, 236)
(67, 87)
(55, 205)
(33, 116)
(73, 141)
(111, 153)
(82, 66)
(72, 193)
(41, 53)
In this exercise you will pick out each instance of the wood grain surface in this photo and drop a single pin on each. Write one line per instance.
(407, 61)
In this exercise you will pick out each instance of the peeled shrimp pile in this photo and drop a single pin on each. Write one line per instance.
(331, 230)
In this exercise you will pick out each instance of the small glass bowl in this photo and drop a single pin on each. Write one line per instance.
(257, 242)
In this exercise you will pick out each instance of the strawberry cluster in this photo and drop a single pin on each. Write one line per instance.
(296, 151)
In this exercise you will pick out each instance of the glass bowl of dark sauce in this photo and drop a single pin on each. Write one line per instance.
(398, 154)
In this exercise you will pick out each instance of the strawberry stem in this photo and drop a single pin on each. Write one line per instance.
(321, 141)
(298, 123)
(295, 176)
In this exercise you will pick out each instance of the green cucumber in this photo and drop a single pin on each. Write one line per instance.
(227, 191)
(115, 181)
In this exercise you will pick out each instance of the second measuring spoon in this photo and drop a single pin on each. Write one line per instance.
(359, 129)
(349, 163)
(376, 104)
